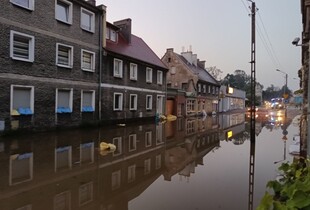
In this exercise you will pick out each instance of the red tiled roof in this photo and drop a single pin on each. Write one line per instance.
(137, 49)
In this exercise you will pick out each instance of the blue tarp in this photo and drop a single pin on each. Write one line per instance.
(87, 109)
(24, 111)
(63, 110)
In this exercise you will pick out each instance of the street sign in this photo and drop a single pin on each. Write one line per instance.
(285, 95)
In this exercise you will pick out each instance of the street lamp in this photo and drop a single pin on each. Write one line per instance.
(295, 42)
(285, 88)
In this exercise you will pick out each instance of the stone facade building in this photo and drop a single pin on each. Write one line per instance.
(193, 90)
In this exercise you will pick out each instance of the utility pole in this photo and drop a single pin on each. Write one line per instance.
(253, 100)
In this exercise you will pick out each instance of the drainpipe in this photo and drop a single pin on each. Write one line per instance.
(101, 26)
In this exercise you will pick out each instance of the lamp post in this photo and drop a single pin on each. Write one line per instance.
(285, 88)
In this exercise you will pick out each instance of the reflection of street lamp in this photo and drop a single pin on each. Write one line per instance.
(285, 88)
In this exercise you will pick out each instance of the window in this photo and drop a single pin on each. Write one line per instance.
(62, 201)
(88, 101)
(158, 162)
(118, 102)
(190, 106)
(132, 142)
(28, 4)
(133, 101)
(85, 193)
(88, 60)
(87, 20)
(21, 46)
(63, 11)
(64, 55)
(204, 89)
(159, 77)
(131, 173)
(133, 71)
(63, 158)
(148, 102)
(148, 138)
(21, 168)
(64, 98)
(111, 34)
(147, 166)
(22, 100)
(116, 180)
(148, 75)
(118, 144)
(118, 68)
(199, 88)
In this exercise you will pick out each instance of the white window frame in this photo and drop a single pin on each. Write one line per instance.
(92, 100)
(116, 180)
(70, 13)
(13, 111)
(120, 68)
(120, 102)
(30, 46)
(92, 60)
(149, 98)
(132, 146)
(133, 97)
(148, 138)
(29, 2)
(149, 74)
(70, 98)
(117, 141)
(86, 192)
(133, 71)
(159, 77)
(90, 28)
(70, 55)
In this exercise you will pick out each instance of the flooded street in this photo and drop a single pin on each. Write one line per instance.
(186, 164)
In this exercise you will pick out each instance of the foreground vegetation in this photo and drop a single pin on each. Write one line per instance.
(291, 191)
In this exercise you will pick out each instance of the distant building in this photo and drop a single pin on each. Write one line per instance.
(231, 99)
(191, 89)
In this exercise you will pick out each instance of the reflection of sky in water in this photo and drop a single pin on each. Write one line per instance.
(223, 181)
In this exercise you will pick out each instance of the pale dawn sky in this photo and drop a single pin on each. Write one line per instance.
(219, 32)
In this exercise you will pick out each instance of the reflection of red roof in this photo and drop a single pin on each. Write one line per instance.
(137, 49)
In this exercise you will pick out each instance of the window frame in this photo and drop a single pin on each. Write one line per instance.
(92, 60)
(92, 100)
(31, 99)
(120, 62)
(91, 28)
(149, 106)
(70, 55)
(149, 74)
(159, 77)
(70, 11)
(120, 102)
(31, 43)
(30, 3)
(70, 99)
(133, 71)
(135, 98)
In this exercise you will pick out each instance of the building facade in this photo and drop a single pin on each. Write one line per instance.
(134, 80)
(231, 99)
(197, 91)
(49, 62)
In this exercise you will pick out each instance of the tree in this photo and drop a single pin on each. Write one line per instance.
(215, 72)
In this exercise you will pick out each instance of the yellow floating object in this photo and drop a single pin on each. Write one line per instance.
(171, 117)
(107, 146)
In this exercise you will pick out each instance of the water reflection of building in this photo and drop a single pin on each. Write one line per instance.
(232, 127)
(188, 144)
(67, 171)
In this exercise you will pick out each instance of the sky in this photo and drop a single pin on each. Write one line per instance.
(219, 32)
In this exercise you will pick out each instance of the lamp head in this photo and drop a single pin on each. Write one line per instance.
(295, 41)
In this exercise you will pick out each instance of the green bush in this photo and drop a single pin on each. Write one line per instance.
(291, 191)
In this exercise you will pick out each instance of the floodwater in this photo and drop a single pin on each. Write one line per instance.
(188, 164)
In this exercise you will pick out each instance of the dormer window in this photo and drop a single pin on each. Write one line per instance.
(111, 35)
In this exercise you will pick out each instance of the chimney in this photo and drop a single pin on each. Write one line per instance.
(125, 28)
(92, 2)
(202, 64)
